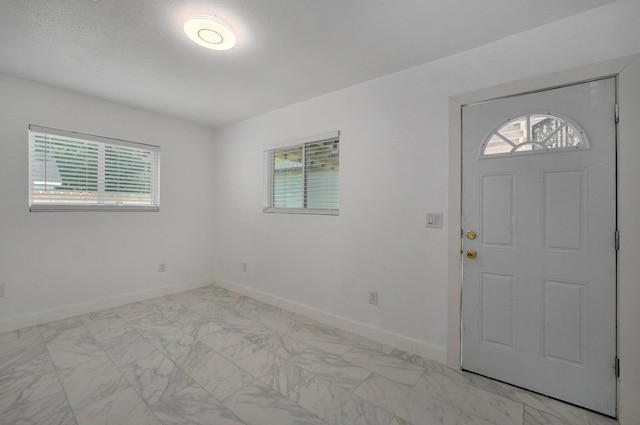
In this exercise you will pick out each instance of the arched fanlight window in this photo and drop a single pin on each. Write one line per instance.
(535, 133)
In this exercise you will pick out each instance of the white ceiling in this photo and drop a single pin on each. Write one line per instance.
(135, 52)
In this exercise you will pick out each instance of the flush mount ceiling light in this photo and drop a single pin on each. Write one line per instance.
(210, 32)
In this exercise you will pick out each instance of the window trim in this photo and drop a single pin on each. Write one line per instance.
(269, 173)
(97, 206)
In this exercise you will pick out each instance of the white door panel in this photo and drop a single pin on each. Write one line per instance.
(539, 298)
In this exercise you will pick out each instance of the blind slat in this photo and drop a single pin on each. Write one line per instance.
(303, 178)
(72, 171)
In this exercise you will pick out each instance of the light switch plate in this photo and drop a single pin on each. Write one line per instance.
(434, 220)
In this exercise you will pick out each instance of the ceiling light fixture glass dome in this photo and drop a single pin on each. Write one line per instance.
(210, 32)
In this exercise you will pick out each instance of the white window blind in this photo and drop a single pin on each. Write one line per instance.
(71, 171)
(303, 178)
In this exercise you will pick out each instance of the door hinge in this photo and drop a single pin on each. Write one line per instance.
(617, 240)
(617, 367)
(617, 112)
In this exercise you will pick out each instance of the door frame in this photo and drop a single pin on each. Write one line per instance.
(627, 71)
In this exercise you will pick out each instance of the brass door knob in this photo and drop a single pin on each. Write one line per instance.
(471, 234)
(471, 253)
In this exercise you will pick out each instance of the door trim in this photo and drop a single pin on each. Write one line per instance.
(454, 247)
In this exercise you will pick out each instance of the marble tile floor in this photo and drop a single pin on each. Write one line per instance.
(210, 356)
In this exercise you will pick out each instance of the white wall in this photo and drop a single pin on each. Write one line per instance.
(394, 168)
(379, 240)
(51, 262)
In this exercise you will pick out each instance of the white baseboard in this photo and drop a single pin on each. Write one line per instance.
(380, 335)
(385, 337)
(12, 324)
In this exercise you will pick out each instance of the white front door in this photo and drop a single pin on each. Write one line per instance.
(539, 191)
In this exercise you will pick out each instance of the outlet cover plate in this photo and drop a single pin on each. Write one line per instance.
(373, 297)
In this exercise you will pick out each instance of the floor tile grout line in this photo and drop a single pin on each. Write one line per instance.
(339, 388)
(276, 354)
(244, 310)
(267, 385)
(509, 395)
(193, 383)
(190, 376)
(307, 370)
(260, 378)
(55, 369)
(117, 367)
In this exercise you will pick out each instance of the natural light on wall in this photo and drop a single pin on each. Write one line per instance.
(71, 171)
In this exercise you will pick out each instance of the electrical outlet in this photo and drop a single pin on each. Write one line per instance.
(162, 267)
(373, 297)
(245, 267)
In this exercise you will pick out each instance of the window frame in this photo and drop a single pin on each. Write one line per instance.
(568, 122)
(102, 144)
(269, 176)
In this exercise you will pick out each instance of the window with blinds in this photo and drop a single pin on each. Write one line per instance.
(71, 171)
(303, 178)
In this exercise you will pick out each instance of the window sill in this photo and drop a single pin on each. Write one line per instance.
(91, 208)
(308, 211)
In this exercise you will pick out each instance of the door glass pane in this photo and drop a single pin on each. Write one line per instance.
(532, 134)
